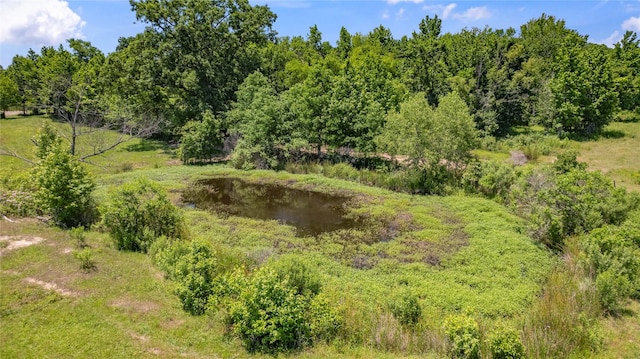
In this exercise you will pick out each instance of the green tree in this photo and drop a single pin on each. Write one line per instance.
(626, 67)
(427, 136)
(201, 140)
(9, 93)
(205, 50)
(584, 92)
(64, 187)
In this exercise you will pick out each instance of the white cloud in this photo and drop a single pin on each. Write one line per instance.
(613, 39)
(393, 2)
(632, 24)
(400, 14)
(447, 11)
(474, 13)
(38, 22)
(385, 15)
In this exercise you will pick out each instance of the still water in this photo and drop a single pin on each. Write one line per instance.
(311, 213)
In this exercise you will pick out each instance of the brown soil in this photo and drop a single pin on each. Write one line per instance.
(16, 242)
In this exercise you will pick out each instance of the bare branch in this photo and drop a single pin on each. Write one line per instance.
(14, 154)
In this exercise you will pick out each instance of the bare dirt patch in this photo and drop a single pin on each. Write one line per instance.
(52, 287)
(16, 242)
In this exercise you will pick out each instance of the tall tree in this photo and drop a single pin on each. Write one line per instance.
(205, 49)
(583, 89)
(9, 92)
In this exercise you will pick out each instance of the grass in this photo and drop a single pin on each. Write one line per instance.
(16, 134)
(453, 253)
(617, 153)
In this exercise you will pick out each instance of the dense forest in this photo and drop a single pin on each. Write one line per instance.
(201, 73)
(545, 251)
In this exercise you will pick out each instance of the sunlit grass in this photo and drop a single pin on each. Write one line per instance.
(617, 154)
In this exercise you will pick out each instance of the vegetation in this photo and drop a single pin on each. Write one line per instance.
(531, 257)
(138, 213)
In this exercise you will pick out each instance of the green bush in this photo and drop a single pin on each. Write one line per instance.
(78, 236)
(201, 140)
(298, 274)
(612, 254)
(18, 203)
(270, 316)
(139, 212)
(64, 188)
(406, 309)
(492, 179)
(195, 273)
(505, 343)
(85, 257)
(464, 335)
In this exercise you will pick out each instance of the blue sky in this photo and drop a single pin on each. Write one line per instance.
(26, 24)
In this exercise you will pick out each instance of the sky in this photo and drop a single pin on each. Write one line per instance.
(31, 24)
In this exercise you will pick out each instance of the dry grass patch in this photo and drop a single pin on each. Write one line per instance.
(617, 154)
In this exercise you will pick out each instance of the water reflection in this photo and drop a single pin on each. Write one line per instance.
(310, 212)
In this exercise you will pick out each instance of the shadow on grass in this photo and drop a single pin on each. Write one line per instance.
(147, 145)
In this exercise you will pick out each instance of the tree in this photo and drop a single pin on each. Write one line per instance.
(63, 186)
(9, 93)
(201, 140)
(205, 50)
(426, 136)
(584, 93)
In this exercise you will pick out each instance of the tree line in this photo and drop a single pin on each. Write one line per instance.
(202, 72)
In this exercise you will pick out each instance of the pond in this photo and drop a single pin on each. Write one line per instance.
(311, 213)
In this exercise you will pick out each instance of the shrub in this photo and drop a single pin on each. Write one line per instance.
(18, 203)
(270, 316)
(201, 140)
(612, 254)
(298, 274)
(464, 334)
(195, 273)
(406, 309)
(139, 212)
(64, 188)
(490, 178)
(505, 343)
(78, 236)
(85, 257)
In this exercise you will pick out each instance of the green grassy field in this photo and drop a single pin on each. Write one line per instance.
(50, 307)
(617, 154)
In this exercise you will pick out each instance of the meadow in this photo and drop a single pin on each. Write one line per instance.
(455, 254)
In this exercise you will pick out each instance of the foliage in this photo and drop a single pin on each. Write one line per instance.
(200, 139)
(201, 44)
(561, 204)
(464, 335)
(63, 186)
(139, 212)
(298, 274)
(613, 256)
(270, 316)
(9, 92)
(195, 272)
(505, 343)
(583, 90)
(78, 235)
(428, 137)
(493, 179)
(406, 309)
(85, 257)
